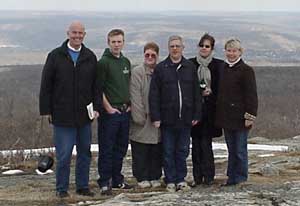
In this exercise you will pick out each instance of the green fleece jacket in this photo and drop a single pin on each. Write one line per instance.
(114, 73)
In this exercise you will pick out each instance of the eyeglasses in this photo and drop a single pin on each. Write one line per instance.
(204, 46)
(147, 55)
(175, 46)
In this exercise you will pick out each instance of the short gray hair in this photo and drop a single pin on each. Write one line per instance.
(233, 43)
(175, 37)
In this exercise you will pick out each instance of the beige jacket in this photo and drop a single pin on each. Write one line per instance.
(143, 131)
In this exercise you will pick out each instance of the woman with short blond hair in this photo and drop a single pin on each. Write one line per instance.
(236, 109)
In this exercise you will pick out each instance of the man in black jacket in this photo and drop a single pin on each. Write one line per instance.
(70, 97)
(174, 101)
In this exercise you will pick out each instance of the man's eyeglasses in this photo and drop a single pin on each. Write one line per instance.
(175, 46)
(147, 55)
(204, 46)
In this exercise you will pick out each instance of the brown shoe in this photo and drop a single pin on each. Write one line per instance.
(85, 192)
(62, 194)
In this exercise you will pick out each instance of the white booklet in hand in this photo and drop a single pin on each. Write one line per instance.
(90, 110)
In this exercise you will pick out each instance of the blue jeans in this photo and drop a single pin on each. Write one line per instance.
(176, 148)
(113, 137)
(64, 139)
(237, 169)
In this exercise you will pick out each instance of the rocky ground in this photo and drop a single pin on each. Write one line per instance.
(274, 180)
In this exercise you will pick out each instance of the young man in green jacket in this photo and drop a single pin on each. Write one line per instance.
(113, 126)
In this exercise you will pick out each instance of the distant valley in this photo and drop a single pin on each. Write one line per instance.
(268, 38)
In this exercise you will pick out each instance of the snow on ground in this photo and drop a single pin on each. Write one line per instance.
(94, 148)
(13, 172)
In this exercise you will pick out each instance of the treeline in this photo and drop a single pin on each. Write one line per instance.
(22, 127)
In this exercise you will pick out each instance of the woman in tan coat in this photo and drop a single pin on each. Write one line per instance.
(145, 142)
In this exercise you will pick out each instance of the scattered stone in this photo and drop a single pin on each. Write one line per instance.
(294, 148)
(5, 167)
(258, 140)
(274, 179)
(269, 169)
(296, 137)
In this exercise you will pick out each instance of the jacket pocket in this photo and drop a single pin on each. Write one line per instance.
(236, 110)
(168, 115)
(187, 111)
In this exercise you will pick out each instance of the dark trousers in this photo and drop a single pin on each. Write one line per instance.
(113, 133)
(146, 161)
(202, 155)
(176, 148)
(65, 138)
(237, 169)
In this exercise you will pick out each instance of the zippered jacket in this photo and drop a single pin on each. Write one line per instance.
(174, 97)
(67, 88)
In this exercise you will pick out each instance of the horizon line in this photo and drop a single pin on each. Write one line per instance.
(151, 11)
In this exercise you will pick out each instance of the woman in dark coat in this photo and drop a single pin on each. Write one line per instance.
(236, 110)
(202, 133)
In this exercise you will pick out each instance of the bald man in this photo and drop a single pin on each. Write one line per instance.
(70, 97)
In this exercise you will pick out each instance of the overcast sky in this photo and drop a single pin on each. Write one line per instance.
(152, 5)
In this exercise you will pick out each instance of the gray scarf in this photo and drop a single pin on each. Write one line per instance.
(203, 70)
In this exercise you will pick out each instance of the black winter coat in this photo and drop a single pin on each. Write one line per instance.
(174, 94)
(206, 127)
(67, 88)
(237, 95)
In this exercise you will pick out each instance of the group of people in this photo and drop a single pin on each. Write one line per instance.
(168, 101)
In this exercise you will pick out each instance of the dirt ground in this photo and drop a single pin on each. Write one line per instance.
(32, 189)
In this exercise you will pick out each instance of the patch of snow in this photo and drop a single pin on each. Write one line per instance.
(94, 148)
(266, 155)
(296, 137)
(12, 172)
(27, 152)
(220, 156)
(279, 148)
(222, 146)
(5, 167)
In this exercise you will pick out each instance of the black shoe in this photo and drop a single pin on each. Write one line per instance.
(228, 184)
(62, 194)
(123, 186)
(85, 192)
(194, 184)
(208, 182)
(105, 190)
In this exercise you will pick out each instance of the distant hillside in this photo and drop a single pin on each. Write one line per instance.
(268, 38)
(21, 125)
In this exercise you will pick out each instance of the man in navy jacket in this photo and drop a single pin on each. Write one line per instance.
(175, 106)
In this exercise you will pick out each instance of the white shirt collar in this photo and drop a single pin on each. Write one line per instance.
(72, 48)
(231, 64)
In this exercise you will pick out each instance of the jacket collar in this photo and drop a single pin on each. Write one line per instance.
(237, 64)
(183, 62)
(147, 69)
(72, 48)
(82, 55)
(108, 53)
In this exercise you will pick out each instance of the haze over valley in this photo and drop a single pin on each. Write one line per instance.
(269, 38)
